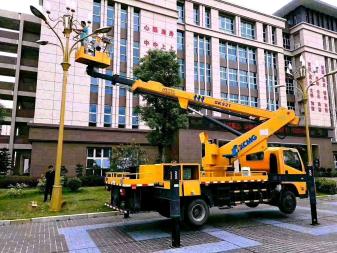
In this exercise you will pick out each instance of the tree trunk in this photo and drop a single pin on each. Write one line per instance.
(161, 155)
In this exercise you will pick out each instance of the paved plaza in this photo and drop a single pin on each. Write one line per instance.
(241, 229)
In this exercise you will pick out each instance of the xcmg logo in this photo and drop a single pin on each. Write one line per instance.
(199, 98)
(237, 148)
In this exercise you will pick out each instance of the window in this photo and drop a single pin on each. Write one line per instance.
(107, 116)
(253, 101)
(223, 50)
(181, 12)
(252, 80)
(270, 59)
(108, 85)
(232, 53)
(136, 21)
(136, 53)
(273, 35)
(224, 95)
(98, 158)
(255, 157)
(202, 71)
(242, 55)
(135, 119)
(271, 105)
(124, 18)
(286, 41)
(180, 41)
(110, 15)
(223, 75)
(265, 33)
(289, 85)
(243, 79)
(181, 63)
(96, 12)
(244, 100)
(122, 92)
(123, 50)
(292, 159)
(208, 46)
(234, 98)
(121, 116)
(92, 114)
(252, 56)
(195, 45)
(201, 46)
(226, 23)
(233, 77)
(196, 76)
(291, 105)
(110, 49)
(208, 73)
(93, 85)
(247, 29)
(196, 14)
(208, 18)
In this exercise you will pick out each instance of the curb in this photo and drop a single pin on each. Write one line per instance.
(59, 218)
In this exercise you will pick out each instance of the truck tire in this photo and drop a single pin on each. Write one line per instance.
(197, 212)
(252, 204)
(287, 203)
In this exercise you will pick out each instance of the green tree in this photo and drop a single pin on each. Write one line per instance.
(5, 161)
(125, 157)
(2, 113)
(163, 116)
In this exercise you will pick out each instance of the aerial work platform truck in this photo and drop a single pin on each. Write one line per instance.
(243, 171)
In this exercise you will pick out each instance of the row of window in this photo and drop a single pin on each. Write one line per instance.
(235, 98)
(202, 72)
(108, 116)
(234, 78)
(234, 52)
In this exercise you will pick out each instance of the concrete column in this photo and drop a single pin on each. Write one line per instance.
(215, 19)
(237, 26)
(189, 13)
(216, 89)
(281, 81)
(279, 37)
(189, 60)
(332, 96)
(15, 90)
(261, 78)
(269, 34)
(259, 31)
(128, 109)
(202, 15)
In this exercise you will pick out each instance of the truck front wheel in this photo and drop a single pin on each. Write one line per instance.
(287, 203)
(197, 212)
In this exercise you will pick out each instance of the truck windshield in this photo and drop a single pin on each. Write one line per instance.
(292, 159)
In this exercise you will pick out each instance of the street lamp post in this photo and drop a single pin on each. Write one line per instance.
(304, 89)
(69, 26)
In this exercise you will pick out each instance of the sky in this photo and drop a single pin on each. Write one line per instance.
(266, 6)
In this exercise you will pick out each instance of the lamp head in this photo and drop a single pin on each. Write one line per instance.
(37, 13)
(104, 29)
(42, 42)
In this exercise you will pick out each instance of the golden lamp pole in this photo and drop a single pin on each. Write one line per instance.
(69, 26)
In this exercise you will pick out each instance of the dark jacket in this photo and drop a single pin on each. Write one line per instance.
(50, 176)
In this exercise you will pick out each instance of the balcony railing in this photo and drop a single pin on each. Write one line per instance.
(4, 138)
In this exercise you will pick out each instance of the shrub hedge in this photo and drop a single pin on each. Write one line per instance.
(6, 181)
(74, 184)
(327, 186)
(92, 180)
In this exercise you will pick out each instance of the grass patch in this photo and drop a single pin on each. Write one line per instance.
(86, 200)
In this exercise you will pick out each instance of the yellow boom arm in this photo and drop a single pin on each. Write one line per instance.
(252, 141)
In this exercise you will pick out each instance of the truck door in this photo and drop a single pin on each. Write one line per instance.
(273, 165)
(190, 178)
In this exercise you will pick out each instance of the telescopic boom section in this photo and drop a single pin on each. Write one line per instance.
(250, 142)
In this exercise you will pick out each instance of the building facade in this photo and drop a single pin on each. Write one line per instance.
(224, 50)
(19, 58)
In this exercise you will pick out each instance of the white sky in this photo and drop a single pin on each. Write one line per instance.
(270, 6)
(266, 6)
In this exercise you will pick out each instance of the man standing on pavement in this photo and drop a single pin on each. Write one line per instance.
(50, 176)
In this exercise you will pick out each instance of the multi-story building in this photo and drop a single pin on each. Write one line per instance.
(311, 31)
(19, 57)
(224, 50)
